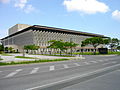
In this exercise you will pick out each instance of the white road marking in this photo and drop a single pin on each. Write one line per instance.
(93, 61)
(65, 66)
(114, 62)
(52, 68)
(13, 73)
(73, 77)
(106, 60)
(77, 64)
(118, 70)
(86, 63)
(109, 63)
(34, 70)
(101, 60)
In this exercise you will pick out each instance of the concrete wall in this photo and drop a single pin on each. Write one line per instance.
(19, 40)
(16, 28)
(41, 38)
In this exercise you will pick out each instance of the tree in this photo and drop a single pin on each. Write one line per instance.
(114, 42)
(34, 47)
(6, 49)
(94, 41)
(26, 47)
(118, 47)
(61, 45)
(70, 45)
(1, 48)
(10, 49)
(57, 45)
(31, 47)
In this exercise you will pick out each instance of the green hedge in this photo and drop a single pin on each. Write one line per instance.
(25, 57)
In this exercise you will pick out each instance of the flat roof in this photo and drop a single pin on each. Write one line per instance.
(39, 27)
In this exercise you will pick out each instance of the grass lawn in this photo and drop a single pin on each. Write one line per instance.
(25, 57)
(54, 55)
(1, 59)
(118, 53)
(84, 53)
(60, 55)
(5, 54)
(91, 53)
(29, 62)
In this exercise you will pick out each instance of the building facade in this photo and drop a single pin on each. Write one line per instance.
(40, 35)
(16, 28)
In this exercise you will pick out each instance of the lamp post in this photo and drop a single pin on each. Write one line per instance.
(71, 46)
(23, 52)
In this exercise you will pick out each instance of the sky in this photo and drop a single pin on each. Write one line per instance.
(93, 16)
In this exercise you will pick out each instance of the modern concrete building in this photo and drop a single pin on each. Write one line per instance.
(16, 28)
(40, 35)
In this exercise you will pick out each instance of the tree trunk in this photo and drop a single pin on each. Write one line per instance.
(111, 49)
(23, 53)
(66, 52)
(60, 52)
(94, 50)
(0, 57)
(71, 51)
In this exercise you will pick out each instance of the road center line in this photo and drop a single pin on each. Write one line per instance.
(52, 68)
(13, 73)
(34, 70)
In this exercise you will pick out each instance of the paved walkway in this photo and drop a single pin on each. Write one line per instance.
(39, 57)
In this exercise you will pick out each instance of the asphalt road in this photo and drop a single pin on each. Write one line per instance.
(58, 75)
(110, 81)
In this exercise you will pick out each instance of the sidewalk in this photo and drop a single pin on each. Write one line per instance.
(39, 57)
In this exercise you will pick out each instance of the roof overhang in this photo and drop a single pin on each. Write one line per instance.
(39, 27)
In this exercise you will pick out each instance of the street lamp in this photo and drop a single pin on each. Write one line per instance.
(71, 46)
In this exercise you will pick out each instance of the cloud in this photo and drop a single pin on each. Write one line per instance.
(4, 1)
(20, 3)
(29, 8)
(86, 6)
(116, 14)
